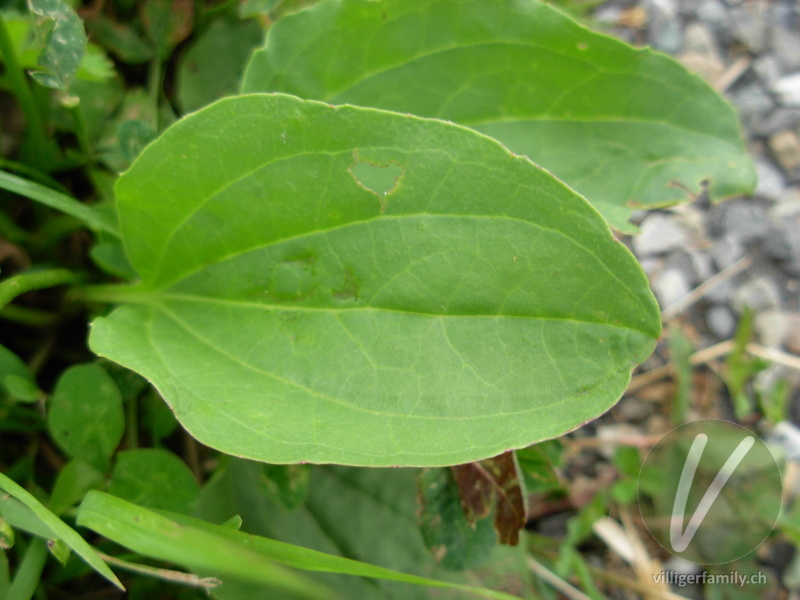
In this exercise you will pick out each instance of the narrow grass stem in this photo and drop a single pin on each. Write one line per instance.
(25, 282)
(22, 91)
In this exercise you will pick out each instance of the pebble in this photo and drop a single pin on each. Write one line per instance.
(702, 264)
(787, 205)
(781, 118)
(721, 293)
(721, 321)
(771, 181)
(745, 220)
(700, 53)
(793, 333)
(786, 45)
(712, 12)
(785, 147)
(759, 294)
(753, 104)
(726, 251)
(660, 234)
(671, 286)
(664, 31)
(651, 265)
(771, 327)
(768, 69)
(748, 25)
(783, 241)
(788, 89)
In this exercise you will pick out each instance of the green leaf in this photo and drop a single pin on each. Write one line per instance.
(167, 23)
(537, 466)
(6, 535)
(21, 517)
(22, 388)
(123, 40)
(154, 479)
(96, 66)
(85, 416)
(15, 376)
(212, 67)
(617, 124)
(288, 314)
(59, 550)
(59, 529)
(372, 522)
(151, 534)
(99, 100)
(287, 483)
(64, 42)
(628, 460)
(456, 542)
(73, 481)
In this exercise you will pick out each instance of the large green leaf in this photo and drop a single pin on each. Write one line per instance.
(287, 313)
(616, 123)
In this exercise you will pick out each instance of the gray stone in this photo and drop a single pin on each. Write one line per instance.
(721, 321)
(783, 241)
(760, 294)
(722, 292)
(768, 68)
(745, 220)
(749, 25)
(785, 147)
(771, 327)
(781, 118)
(671, 286)
(786, 206)
(699, 38)
(608, 13)
(659, 234)
(700, 53)
(786, 45)
(681, 261)
(786, 13)
(664, 30)
(788, 89)
(726, 251)
(793, 333)
(713, 13)
(754, 103)
(651, 265)
(703, 265)
(771, 181)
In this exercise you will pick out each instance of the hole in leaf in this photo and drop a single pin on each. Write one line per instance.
(381, 180)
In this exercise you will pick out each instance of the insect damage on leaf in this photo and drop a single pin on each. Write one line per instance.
(380, 179)
(494, 481)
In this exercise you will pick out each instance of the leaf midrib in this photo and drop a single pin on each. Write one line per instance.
(161, 291)
(157, 300)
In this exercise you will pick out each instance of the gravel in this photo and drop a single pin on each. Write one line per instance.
(684, 247)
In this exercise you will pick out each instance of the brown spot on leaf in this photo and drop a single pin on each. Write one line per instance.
(493, 482)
